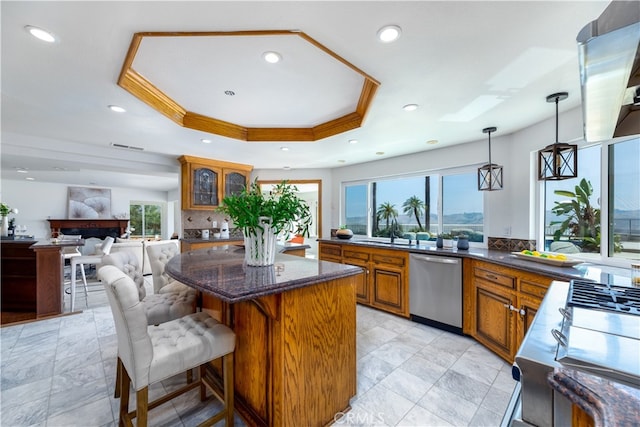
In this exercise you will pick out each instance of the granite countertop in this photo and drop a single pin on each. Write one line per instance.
(608, 402)
(586, 270)
(223, 274)
(55, 243)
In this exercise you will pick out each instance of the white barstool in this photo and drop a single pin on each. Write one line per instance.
(81, 261)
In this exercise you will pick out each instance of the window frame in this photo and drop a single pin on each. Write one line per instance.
(163, 216)
(603, 256)
(440, 173)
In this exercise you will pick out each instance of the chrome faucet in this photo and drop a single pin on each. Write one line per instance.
(392, 232)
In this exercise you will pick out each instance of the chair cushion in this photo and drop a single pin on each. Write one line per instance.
(159, 254)
(127, 262)
(161, 308)
(186, 343)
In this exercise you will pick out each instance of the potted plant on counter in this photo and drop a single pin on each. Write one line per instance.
(444, 240)
(344, 233)
(262, 216)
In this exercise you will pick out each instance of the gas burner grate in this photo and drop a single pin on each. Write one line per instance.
(605, 297)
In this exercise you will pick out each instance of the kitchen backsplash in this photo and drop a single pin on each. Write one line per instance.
(511, 245)
(193, 222)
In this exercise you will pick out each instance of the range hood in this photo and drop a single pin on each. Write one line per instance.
(609, 56)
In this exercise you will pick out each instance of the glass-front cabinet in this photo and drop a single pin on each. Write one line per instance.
(205, 182)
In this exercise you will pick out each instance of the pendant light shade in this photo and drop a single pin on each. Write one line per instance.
(489, 175)
(559, 160)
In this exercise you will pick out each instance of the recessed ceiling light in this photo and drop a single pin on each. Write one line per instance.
(30, 178)
(272, 57)
(410, 107)
(389, 33)
(353, 141)
(117, 109)
(284, 148)
(379, 153)
(22, 170)
(432, 141)
(40, 34)
(206, 141)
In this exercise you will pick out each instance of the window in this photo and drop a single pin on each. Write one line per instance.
(145, 219)
(576, 209)
(356, 211)
(414, 204)
(462, 206)
(624, 200)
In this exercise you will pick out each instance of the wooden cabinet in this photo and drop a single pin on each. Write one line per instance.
(500, 304)
(193, 246)
(205, 182)
(291, 349)
(18, 276)
(385, 285)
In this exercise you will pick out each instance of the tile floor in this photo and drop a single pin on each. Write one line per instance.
(61, 371)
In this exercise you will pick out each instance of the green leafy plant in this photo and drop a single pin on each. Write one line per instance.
(445, 236)
(288, 212)
(582, 220)
(6, 210)
(414, 206)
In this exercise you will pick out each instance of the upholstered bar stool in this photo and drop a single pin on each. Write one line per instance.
(151, 354)
(159, 255)
(159, 308)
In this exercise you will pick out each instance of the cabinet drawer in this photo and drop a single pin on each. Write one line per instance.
(533, 288)
(494, 277)
(330, 250)
(399, 261)
(351, 254)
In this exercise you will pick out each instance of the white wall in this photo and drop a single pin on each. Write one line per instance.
(38, 201)
(323, 175)
(511, 209)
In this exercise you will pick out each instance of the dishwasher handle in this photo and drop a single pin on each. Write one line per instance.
(438, 259)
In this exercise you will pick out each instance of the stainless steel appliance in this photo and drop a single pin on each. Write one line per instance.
(588, 326)
(435, 291)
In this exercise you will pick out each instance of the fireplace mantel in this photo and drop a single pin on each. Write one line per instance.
(65, 224)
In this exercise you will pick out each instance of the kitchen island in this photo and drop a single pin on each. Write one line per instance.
(295, 326)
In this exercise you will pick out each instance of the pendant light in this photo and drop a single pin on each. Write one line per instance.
(559, 160)
(490, 175)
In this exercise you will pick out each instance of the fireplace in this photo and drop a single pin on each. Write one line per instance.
(99, 228)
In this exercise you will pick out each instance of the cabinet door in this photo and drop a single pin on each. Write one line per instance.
(362, 286)
(528, 307)
(388, 291)
(234, 182)
(359, 258)
(204, 187)
(495, 321)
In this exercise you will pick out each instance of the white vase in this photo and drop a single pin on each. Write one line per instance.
(260, 244)
(5, 226)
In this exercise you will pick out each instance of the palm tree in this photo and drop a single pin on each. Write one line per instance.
(413, 205)
(388, 212)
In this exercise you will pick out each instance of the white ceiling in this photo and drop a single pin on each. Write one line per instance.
(468, 65)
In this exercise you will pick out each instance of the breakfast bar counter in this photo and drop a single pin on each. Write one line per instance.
(295, 326)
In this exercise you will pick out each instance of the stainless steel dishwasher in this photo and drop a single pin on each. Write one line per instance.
(435, 291)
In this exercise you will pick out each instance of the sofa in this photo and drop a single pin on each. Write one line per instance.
(139, 247)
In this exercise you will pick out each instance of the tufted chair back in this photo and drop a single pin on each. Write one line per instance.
(127, 262)
(159, 256)
(135, 347)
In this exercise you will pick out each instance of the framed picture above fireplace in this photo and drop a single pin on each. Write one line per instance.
(85, 202)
